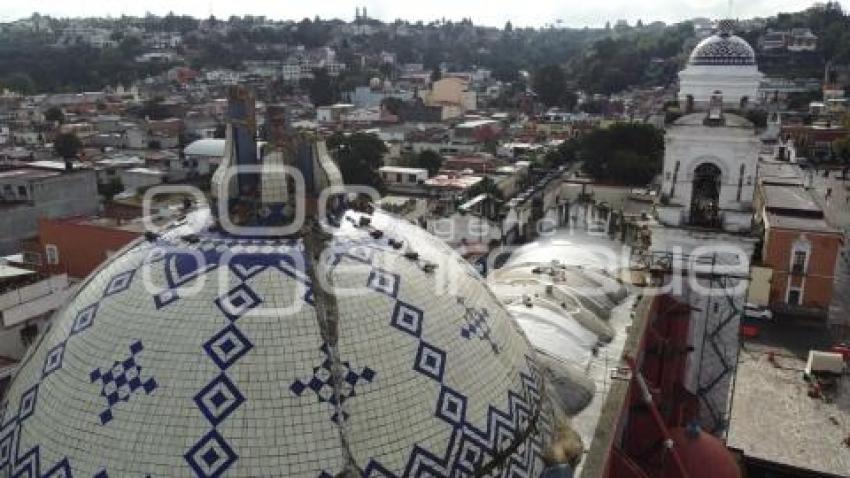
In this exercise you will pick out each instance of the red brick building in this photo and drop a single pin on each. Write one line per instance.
(800, 247)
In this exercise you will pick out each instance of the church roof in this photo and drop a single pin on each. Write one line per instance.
(198, 353)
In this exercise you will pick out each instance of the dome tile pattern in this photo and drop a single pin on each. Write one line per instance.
(723, 50)
(203, 355)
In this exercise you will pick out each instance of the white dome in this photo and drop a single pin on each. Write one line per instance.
(141, 376)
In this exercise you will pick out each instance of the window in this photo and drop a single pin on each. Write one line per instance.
(22, 191)
(798, 266)
(411, 178)
(398, 177)
(52, 253)
(795, 296)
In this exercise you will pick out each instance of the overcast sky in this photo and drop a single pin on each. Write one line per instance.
(575, 13)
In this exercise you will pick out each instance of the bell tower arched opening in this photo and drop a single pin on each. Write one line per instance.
(705, 196)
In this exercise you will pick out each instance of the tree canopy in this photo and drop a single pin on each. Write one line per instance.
(625, 153)
(430, 160)
(54, 114)
(359, 156)
(550, 84)
(323, 91)
(67, 145)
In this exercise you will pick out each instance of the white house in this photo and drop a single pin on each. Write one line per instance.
(139, 178)
(400, 179)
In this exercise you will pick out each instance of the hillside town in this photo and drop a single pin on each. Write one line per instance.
(711, 161)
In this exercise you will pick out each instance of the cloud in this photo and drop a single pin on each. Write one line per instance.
(574, 13)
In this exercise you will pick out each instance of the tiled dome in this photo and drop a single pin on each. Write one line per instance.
(723, 49)
(203, 354)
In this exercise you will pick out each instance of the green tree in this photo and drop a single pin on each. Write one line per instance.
(54, 115)
(550, 84)
(841, 149)
(322, 89)
(19, 83)
(111, 188)
(436, 74)
(486, 186)
(625, 153)
(359, 156)
(67, 145)
(430, 160)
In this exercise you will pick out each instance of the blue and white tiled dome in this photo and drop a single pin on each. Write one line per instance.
(201, 355)
(723, 48)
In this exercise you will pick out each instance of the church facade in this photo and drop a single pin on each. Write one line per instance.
(711, 154)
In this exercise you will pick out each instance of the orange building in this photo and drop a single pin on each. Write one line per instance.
(78, 245)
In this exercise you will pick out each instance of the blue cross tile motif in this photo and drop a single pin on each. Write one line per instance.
(451, 406)
(119, 283)
(165, 298)
(227, 346)
(323, 383)
(477, 326)
(27, 405)
(219, 399)
(53, 360)
(84, 319)
(383, 282)
(238, 301)
(27, 466)
(120, 381)
(430, 361)
(211, 456)
(407, 318)
(59, 470)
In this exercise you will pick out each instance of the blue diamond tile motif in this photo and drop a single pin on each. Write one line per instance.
(84, 319)
(60, 470)
(27, 405)
(323, 383)
(28, 465)
(8, 436)
(430, 361)
(238, 301)
(119, 283)
(469, 457)
(165, 298)
(119, 382)
(211, 456)
(53, 360)
(451, 406)
(407, 318)
(383, 282)
(227, 346)
(219, 399)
